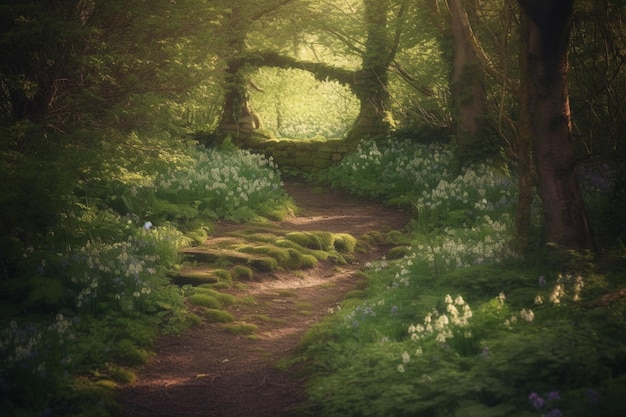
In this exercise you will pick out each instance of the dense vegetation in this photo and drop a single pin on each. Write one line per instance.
(104, 181)
(455, 323)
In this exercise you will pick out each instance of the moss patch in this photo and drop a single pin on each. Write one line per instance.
(204, 300)
(218, 316)
(241, 328)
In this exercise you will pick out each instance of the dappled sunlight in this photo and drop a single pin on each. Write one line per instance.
(293, 104)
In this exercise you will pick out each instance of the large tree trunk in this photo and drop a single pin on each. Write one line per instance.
(563, 207)
(468, 92)
(238, 119)
(371, 83)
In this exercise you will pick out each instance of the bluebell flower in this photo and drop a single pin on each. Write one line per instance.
(542, 281)
(536, 401)
(148, 225)
(553, 396)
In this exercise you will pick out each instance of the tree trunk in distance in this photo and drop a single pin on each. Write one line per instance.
(524, 147)
(371, 82)
(564, 213)
(468, 92)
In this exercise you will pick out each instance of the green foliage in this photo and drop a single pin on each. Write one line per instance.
(457, 325)
(105, 255)
(293, 104)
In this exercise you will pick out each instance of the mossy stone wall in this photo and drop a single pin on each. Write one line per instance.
(306, 156)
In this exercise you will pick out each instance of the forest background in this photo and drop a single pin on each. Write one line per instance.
(106, 107)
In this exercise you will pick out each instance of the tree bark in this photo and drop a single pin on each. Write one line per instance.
(525, 172)
(371, 84)
(563, 207)
(468, 92)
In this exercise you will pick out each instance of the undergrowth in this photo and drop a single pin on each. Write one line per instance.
(83, 301)
(459, 324)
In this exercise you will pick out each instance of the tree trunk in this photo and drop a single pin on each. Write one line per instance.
(563, 207)
(524, 147)
(371, 83)
(468, 92)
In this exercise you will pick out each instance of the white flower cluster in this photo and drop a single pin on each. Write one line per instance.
(444, 325)
(479, 189)
(486, 243)
(221, 181)
(123, 270)
(31, 350)
(567, 287)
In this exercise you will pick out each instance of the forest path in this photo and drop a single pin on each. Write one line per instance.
(210, 372)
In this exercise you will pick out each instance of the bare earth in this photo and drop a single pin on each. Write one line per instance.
(209, 372)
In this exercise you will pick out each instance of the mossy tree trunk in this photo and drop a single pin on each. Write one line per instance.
(468, 91)
(371, 82)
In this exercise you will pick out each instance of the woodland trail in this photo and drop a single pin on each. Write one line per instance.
(209, 372)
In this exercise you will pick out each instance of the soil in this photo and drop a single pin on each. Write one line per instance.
(210, 372)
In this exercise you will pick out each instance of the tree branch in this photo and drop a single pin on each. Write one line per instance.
(320, 71)
(456, 9)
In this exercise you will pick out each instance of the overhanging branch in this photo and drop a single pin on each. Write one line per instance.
(320, 71)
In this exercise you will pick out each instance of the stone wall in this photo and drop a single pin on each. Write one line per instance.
(301, 155)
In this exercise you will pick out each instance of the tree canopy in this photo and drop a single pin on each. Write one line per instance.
(86, 73)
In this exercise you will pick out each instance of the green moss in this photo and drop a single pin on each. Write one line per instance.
(281, 255)
(224, 299)
(395, 237)
(218, 316)
(324, 240)
(241, 328)
(195, 277)
(122, 375)
(223, 275)
(345, 242)
(265, 264)
(398, 252)
(243, 272)
(204, 300)
(308, 261)
(218, 285)
(303, 239)
(128, 353)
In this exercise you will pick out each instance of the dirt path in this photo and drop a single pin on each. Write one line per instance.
(209, 372)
